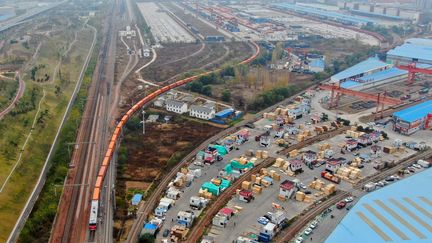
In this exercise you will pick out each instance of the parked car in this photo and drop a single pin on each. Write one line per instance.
(411, 169)
(166, 233)
(389, 178)
(313, 225)
(263, 220)
(417, 166)
(299, 239)
(349, 199)
(308, 231)
(340, 205)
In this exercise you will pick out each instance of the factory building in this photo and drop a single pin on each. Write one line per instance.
(414, 118)
(413, 50)
(373, 72)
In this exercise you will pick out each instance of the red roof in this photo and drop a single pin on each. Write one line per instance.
(245, 193)
(226, 211)
(287, 185)
(334, 162)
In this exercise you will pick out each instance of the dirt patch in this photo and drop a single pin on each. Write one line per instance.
(144, 159)
(171, 59)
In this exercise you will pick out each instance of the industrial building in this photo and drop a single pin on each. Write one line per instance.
(325, 14)
(373, 72)
(399, 212)
(413, 50)
(414, 118)
(369, 66)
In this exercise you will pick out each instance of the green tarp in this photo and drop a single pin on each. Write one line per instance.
(236, 165)
(221, 149)
(212, 188)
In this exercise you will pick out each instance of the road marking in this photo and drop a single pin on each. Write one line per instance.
(425, 200)
(411, 214)
(385, 221)
(400, 219)
(373, 226)
(418, 207)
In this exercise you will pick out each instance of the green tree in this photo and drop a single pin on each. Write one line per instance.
(146, 238)
(226, 95)
(206, 90)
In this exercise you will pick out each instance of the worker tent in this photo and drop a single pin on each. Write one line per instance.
(212, 188)
(221, 149)
(238, 166)
(228, 168)
(225, 184)
(136, 199)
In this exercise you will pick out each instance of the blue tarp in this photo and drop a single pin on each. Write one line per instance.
(225, 113)
(136, 199)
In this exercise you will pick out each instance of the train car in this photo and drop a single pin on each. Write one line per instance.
(94, 210)
(106, 160)
(99, 181)
(93, 215)
(108, 155)
(102, 171)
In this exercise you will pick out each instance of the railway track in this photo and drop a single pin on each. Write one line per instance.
(225, 196)
(68, 226)
(300, 223)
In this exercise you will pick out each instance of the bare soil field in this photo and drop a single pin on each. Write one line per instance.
(213, 55)
(147, 157)
(188, 18)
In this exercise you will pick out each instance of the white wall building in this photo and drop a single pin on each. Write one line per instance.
(176, 106)
(202, 112)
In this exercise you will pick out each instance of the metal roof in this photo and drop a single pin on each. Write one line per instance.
(413, 51)
(375, 77)
(201, 109)
(416, 112)
(419, 41)
(367, 65)
(325, 13)
(400, 212)
(175, 103)
(317, 63)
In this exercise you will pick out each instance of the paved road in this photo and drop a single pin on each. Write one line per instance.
(18, 96)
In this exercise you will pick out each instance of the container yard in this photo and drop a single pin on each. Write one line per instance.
(292, 172)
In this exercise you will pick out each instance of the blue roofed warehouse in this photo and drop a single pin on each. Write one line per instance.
(414, 118)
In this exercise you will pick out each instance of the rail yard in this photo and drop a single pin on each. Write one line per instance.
(215, 121)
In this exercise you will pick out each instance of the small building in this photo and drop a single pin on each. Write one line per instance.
(220, 220)
(175, 106)
(185, 218)
(375, 150)
(246, 196)
(287, 189)
(159, 102)
(351, 144)
(317, 65)
(364, 140)
(202, 112)
(224, 114)
(309, 156)
(197, 202)
(149, 229)
(243, 136)
(173, 193)
(269, 230)
(296, 165)
(333, 165)
(227, 212)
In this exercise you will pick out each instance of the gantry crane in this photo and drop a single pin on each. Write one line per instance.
(412, 70)
(381, 98)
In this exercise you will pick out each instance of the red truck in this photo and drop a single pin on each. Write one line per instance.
(327, 175)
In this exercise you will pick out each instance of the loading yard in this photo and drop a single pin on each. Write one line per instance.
(163, 27)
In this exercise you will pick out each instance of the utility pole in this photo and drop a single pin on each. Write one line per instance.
(143, 120)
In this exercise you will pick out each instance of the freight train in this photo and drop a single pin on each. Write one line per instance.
(115, 137)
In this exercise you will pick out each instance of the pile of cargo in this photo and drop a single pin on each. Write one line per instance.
(178, 233)
(302, 197)
(348, 173)
(284, 165)
(262, 154)
(320, 186)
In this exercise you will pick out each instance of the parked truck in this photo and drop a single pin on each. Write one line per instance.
(328, 176)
